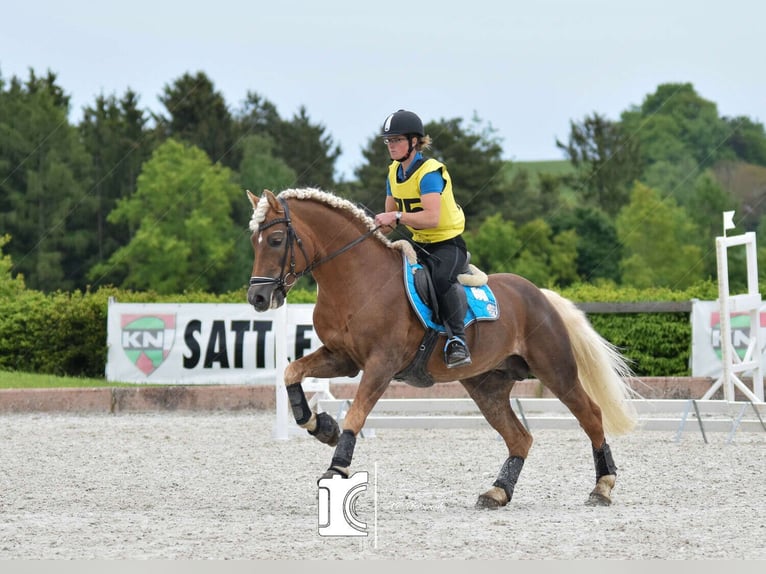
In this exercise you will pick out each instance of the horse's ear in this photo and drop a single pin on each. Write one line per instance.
(272, 199)
(253, 198)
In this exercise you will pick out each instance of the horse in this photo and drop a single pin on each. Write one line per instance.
(366, 323)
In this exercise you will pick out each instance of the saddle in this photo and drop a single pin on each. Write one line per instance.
(482, 306)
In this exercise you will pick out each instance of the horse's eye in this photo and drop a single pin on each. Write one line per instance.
(275, 239)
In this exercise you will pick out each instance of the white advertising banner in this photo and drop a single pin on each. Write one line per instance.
(706, 337)
(228, 343)
(200, 343)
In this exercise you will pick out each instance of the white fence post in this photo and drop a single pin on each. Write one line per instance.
(749, 303)
(281, 426)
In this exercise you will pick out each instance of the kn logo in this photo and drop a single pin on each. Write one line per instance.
(147, 339)
(740, 332)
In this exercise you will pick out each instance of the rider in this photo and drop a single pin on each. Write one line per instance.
(419, 195)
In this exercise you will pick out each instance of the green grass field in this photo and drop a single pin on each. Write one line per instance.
(549, 167)
(16, 380)
(553, 167)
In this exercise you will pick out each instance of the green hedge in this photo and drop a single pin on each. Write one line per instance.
(65, 333)
(657, 344)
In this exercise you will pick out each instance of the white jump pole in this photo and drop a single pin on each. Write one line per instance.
(281, 424)
(749, 303)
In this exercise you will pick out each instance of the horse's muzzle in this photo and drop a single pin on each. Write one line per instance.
(265, 297)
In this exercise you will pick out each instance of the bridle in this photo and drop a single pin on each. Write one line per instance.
(290, 276)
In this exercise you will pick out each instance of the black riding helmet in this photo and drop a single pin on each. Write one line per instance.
(402, 123)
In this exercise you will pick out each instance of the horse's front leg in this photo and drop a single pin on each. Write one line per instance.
(321, 364)
(371, 388)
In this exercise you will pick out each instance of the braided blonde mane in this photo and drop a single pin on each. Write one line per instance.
(330, 199)
(475, 277)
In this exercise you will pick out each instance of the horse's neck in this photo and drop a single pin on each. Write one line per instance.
(364, 264)
(361, 267)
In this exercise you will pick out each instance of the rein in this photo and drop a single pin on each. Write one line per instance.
(289, 278)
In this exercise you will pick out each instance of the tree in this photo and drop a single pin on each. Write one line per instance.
(528, 196)
(308, 150)
(185, 236)
(116, 135)
(198, 115)
(258, 116)
(659, 242)
(746, 183)
(532, 251)
(598, 250)
(747, 139)
(673, 178)
(675, 123)
(304, 146)
(473, 156)
(45, 205)
(705, 208)
(547, 259)
(761, 232)
(607, 161)
(260, 169)
(494, 245)
(10, 285)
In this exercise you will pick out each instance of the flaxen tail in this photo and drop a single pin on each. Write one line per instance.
(602, 369)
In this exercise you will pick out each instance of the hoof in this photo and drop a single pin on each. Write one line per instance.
(601, 495)
(334, 471)
(596, 499)
(493, 499)
(326, 430)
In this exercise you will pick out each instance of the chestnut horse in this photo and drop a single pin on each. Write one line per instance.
(366, 323)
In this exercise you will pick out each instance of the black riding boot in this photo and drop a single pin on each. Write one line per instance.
(453, 306)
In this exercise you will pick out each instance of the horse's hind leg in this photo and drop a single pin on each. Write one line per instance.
(588, 414)
(606, 474)
(491, 393)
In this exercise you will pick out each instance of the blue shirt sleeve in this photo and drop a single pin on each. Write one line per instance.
(432, 183)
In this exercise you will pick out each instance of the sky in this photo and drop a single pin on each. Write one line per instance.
(526, 69)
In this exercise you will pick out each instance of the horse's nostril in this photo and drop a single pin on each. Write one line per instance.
(259, 302)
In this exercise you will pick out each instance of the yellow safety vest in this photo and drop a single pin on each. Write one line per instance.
(407, 197)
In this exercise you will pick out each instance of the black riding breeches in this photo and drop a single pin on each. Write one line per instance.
(445, 261)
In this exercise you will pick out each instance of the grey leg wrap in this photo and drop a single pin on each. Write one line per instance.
(509, 474)
(344, 452)
(299, 404)
(602, 457)
(327, 430)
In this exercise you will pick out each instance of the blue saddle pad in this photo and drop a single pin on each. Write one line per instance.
(482, 305)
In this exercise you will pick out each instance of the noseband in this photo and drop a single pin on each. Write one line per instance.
(289, 277)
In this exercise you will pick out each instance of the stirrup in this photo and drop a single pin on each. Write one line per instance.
(463, 358)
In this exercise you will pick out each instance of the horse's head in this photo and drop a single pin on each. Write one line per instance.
(274, 242)
(329, 227)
